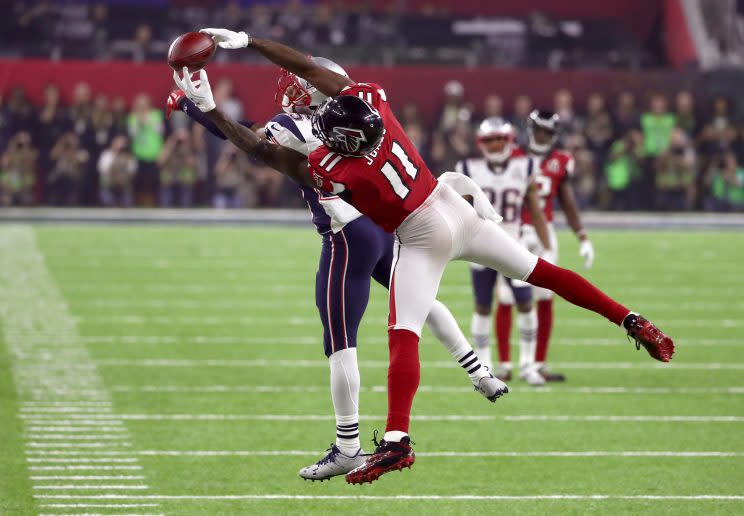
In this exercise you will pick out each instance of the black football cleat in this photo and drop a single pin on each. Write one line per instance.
(551, 376)
(659, 345)
(388, 456)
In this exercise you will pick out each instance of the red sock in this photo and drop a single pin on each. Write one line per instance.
(576, 290)
(544, 328)
(403, 378)
(503, 330)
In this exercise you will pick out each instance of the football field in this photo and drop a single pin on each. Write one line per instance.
(180, 370)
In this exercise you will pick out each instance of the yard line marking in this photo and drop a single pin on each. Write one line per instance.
(74, 429)
(418, 417)
(83, 468)
(702, 497)
(97, 487)
(85, 477)
(98, 505)
(184, 362)
(103, 514)
(316, 341)
(290, 453)
(76, 460)
(382, 389)
(55, 377)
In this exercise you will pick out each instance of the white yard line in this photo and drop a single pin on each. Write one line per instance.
(382, 389)
(55, 377)
(31, 458)
(275, 363)
(97, 505)
(69, 467)
(587, 497)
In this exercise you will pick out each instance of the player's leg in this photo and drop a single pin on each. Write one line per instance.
(484, 282)
(544, 299)
(444, 327)
(342, 292)
(491, 246)
(502, 324)
(527, 322)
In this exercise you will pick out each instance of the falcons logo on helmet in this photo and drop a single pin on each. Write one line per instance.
(350, 139)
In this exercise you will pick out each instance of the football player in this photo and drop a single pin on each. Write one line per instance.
(555, 170)
(367, 159)
(354, 250)
(507, 179)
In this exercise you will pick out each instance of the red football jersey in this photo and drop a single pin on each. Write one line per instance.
(554, 168)
(385, 185)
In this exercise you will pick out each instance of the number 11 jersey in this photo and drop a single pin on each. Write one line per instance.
(505, 186)
(387, 184)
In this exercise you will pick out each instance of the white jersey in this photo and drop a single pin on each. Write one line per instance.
(505, 186)
(294, 130)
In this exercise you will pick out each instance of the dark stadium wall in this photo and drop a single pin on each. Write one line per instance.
(255, 85)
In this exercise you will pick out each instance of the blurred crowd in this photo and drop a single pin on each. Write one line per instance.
(671, 153)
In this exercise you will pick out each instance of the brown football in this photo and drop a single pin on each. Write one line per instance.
(192, 49)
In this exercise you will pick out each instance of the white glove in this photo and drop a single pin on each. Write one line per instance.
(463, 185)
(586, 251)
(228, 39)
(197, 91)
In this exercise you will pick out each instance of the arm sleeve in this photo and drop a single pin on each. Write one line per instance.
(195, 114)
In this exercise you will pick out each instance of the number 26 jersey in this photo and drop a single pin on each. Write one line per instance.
(387, 184)
(505, 186)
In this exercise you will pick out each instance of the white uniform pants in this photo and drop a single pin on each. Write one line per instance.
(444, 228)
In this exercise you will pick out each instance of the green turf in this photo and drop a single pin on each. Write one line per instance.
(193, 294)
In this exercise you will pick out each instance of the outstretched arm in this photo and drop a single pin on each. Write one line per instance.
(286, 161)
(571, 209)
(328, 82)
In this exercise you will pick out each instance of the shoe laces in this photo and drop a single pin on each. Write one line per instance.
(330, 457)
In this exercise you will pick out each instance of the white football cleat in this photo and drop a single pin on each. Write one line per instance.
(532, 376)
(332, 465)
(490, 387)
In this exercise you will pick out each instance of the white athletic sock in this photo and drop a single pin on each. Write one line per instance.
(527, 323)
(480, 330)
(443, 325)
(345, 394)
(394, 436)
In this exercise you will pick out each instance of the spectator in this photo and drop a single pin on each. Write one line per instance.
(223, 96)
(231, 171)
(18, 171)
(410, 114)
(4, 124)
(119, 115)
(449, 148)
(675, 173)
(20, 112)
(51, 124)
(417, 134)
(522, 108)
(626, 114)
(68, 164)
(718, 133)
(455, 109)
(584, 177)
(598, 128)
(685, 112)
(657, 125)
(178, 171)
(81, 108)
(100, 38)
(623, 170)
(146, 132)
(570, 121)
(117, 168)
(725, 184)
(493, 106)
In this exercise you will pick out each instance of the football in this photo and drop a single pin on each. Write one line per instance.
(193, 49)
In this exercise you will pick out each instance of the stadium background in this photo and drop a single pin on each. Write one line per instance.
(178, 369)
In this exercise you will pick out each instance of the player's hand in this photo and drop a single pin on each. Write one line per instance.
(228, 39)
(586, 251)
(199, 92)
(174, 102)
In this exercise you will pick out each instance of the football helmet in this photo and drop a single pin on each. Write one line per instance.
(546, 120)
(293, 91)
(348, 125)
(491, 128)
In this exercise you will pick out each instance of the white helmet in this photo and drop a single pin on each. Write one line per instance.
(546, 120)
(491, 128)
(293, 91)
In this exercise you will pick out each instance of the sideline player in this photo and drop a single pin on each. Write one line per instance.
(354, 250)
(507, 179)
(367, 159)
(556, 168)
